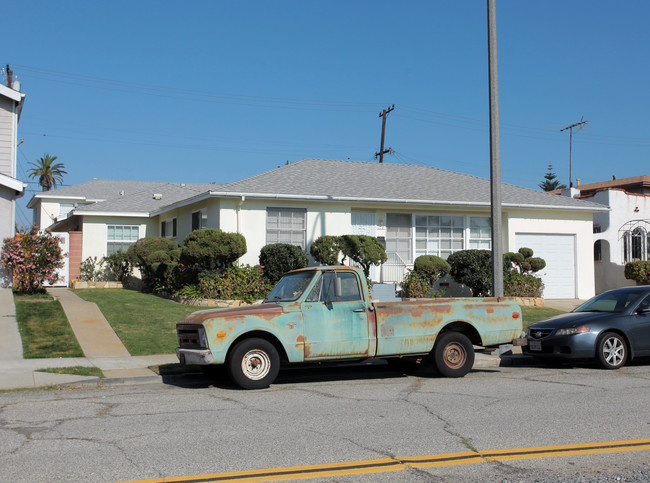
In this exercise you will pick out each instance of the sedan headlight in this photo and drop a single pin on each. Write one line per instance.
(572, 331)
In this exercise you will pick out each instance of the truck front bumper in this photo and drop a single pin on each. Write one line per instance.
(194, 356)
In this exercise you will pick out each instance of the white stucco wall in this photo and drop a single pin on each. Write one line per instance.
(249, 219)
(578, 224)
(624, 208)
(94, 233)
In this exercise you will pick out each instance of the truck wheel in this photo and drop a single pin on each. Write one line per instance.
(253, 363)
(453, 354)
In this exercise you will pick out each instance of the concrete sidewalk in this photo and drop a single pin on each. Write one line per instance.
(102, 348)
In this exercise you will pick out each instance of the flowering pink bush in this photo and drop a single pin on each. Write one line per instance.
(32, 258)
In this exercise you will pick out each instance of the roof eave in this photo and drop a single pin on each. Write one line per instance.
(474, 204)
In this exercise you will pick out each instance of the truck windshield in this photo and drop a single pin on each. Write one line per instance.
(290, 287)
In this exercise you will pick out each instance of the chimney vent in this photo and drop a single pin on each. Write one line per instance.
(157, 196)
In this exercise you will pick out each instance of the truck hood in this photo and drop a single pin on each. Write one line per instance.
(261, 310)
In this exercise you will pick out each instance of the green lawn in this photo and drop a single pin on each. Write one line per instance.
(534, 314)
(145, 323)
(76, 371)
(44, 329)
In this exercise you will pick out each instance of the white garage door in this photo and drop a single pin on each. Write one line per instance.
(559, 253)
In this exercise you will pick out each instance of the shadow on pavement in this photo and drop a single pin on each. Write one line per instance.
(303, 373)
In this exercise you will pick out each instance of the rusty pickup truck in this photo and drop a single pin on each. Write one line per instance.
(322, 314)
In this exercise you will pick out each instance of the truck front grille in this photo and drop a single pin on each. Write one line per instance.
(188, 336)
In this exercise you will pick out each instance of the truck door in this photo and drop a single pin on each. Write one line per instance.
(335, 318)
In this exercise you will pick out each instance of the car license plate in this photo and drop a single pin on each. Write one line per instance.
(535, 345)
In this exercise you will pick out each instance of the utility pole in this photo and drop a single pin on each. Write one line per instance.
(495, 154)
(570, 128)
(383, 115)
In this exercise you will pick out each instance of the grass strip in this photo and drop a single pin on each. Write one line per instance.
(535, 314)
(76, 371)
(44, 329)
(146, 324)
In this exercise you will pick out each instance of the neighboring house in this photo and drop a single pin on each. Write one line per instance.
(11, 104)
(621, 234)
(414, 210)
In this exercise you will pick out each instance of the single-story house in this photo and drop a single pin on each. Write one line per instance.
(414, 210)
(11, 104)
(621, 234)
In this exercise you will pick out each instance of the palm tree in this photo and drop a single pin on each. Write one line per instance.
(49, 173)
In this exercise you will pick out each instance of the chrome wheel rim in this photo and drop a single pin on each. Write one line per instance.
(614, 351)
(256, 364)
(455, 355)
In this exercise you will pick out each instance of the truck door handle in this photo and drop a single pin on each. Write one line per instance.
(359, 310)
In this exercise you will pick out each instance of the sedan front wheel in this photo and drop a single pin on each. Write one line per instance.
(612, 351)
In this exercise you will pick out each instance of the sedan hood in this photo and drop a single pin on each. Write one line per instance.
(572, 319)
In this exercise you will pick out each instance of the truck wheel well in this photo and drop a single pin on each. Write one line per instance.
(260, 334)
(464, 328)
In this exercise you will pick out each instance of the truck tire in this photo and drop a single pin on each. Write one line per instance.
(253, 363)
(453, 354)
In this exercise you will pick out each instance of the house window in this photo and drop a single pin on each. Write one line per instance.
(64, 209)
(439, 235)
(168, 228)
(480, 233)
(636, 245)
(119, 237)
(399, 238)
(200, 219)
(286, 225)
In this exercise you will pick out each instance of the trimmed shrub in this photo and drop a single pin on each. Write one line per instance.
(117, 265)
(211, 248)
(279, 258)
(415, 285)
(524, 260)
(526, 252)
(326, 250)
(157, 258)
(473, 268)
(517, 284)
(432, 267)
(235, 283)
(363, 249)
(638, 271)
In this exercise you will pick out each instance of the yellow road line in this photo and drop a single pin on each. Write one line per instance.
(401, 463)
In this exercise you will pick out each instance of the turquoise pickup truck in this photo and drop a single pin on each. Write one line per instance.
(323, 314)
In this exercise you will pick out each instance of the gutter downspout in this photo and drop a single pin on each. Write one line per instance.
(239, 205)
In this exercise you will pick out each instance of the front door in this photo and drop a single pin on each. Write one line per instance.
(335, 320)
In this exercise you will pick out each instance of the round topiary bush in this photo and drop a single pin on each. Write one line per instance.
(326, 250)
(279, 258)
(211, 248)
(432, 267)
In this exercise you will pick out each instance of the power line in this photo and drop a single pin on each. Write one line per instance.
(570, 128)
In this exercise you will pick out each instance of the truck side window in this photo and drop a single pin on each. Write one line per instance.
(349, 287)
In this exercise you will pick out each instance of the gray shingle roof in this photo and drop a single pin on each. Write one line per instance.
(392, 182)
(129, 196)
(320, 178)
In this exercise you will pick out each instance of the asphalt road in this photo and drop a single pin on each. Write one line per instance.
(375, 420)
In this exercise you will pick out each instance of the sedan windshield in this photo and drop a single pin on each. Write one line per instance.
(290, 287)
(613, 301)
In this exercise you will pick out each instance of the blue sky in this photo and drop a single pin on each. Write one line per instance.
(216, 91)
